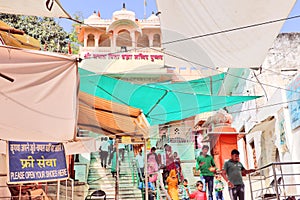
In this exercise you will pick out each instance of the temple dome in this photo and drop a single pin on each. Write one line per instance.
(124, 14)
(94, 18)
(153, 17)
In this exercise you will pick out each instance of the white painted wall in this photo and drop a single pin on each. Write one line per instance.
(285, 54)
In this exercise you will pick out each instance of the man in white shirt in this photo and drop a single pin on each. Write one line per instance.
(140, 165)
(104, 152)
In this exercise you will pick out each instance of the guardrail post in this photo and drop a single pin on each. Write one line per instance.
(275, 180)
(250, 186)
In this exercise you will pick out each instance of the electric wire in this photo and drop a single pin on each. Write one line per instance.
(232, 29)
(198, 64)
(232, 112)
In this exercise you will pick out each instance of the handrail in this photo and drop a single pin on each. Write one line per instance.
(283, 183)
(133, 171)
(277, 163)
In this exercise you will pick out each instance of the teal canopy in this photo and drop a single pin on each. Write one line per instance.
(209, 85)
(159, 105)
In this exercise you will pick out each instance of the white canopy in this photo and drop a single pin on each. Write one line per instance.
(242, 48)
(48, 8)
(41, 102)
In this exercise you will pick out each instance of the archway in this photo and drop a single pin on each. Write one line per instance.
(91, 40)
(104, 41)
(156, 40)
(124, 39)
(143, 41)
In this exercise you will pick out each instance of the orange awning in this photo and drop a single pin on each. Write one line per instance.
(109, 118)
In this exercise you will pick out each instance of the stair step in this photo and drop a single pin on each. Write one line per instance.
(100, 178)
(109, 185)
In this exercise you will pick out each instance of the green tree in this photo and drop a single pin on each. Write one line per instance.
(78, 16)
(44, 29)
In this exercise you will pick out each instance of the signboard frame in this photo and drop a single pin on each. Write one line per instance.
(36, 162)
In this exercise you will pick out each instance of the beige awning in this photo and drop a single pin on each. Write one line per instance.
(38, 95)
(243, 48)
(48, 8)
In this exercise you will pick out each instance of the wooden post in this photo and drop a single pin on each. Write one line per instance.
(146, 169)
(72, 171)
(117, 168)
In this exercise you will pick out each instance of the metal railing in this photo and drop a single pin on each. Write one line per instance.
(275, 181)
(54, 190)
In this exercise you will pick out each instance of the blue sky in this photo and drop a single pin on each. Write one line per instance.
(107, 7)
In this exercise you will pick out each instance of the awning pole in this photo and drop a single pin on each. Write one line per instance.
(117, 168)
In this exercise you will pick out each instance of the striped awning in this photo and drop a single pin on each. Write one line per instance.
(109, 118)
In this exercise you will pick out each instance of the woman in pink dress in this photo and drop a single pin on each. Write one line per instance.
(152, 161)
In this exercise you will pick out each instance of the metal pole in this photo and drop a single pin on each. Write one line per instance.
(146, 169)
(261, 182)
(72, 194)
(66, 189)
(275, 180)
(145, 2)
(20, 192)
(58, 190)
(283, 186)
(250, 186)
(211, 88)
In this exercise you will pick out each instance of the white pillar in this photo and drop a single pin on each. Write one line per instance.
(96, 42)
(96, 39)
(85, 42)
(150, 38)
(133, 42)
(114, 41)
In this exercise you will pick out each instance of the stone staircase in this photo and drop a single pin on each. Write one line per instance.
(100, 178)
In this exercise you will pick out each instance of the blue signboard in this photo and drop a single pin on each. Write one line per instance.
(293, 97)
(36, 162)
